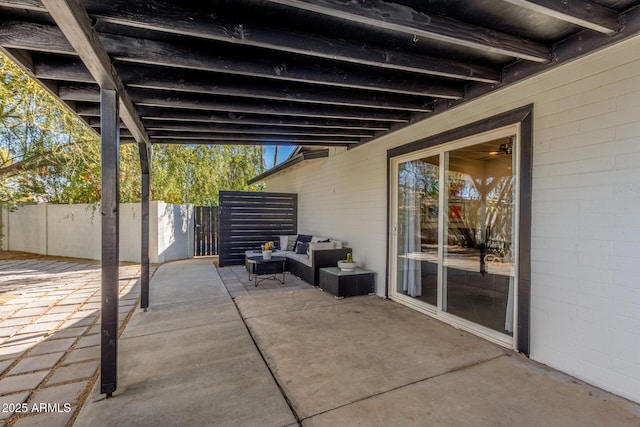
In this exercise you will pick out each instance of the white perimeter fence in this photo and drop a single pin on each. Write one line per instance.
(75, 231)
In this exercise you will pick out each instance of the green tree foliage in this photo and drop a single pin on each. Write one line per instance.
(196, 173)
(48, 154)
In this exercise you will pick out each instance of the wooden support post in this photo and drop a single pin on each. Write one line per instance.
(144, 245)
(110, 139)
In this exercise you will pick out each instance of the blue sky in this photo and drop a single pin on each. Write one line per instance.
(283, 153)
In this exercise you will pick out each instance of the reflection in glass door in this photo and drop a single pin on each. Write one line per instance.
(454, 232)
(478, 252)
(417, 229)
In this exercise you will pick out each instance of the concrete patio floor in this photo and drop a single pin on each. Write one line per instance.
(190, 360)
(278, 355)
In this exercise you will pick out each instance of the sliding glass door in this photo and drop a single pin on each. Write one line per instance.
(454, 214)
(417, 229)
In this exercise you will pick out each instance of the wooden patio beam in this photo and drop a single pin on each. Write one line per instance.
(256, 141)
(173, 19)
(204, 128)
(69, 69)
(50, 39)
(584, 13)
(160, 117)
(151, 98)
(74, 22)
(405, 20)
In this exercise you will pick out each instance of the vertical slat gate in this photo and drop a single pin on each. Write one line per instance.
(206, 230)
(249, 219)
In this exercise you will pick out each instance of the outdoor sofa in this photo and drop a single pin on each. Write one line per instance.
(305, 255)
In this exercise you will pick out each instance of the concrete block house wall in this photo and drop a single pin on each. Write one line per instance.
(585, 292)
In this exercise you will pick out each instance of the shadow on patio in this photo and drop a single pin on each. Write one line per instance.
(197, 357)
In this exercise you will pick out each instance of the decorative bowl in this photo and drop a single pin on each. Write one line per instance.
(347, 266)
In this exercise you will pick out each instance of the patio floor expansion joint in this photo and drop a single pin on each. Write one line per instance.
(275, 379)
(450, 371)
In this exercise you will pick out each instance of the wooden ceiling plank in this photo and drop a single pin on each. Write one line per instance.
(148, 52)
(584, 13)
(403, 19)
(172, 19)
(71, 69)
(75, 24)
(152, 115)
(259, 141)
(161, 99)
(34, 5)
(167, 54)
(138, 77)
(256, 130)
(187, 136)
(152, 98)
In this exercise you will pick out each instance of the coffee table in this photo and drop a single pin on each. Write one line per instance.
(275, 264)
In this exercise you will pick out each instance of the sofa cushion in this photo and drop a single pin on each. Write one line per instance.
(319, 246)
(301, 258)
(316, 239)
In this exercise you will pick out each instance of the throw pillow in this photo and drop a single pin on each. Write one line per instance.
(291, 242)
(302, 238)
(301, 248)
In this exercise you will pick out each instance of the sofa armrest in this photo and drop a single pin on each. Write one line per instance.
(328, 257)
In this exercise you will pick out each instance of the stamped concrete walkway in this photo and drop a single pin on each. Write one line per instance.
(49, 335)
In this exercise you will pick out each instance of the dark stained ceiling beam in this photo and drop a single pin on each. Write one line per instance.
(187, 136)
(151, 98)
(151, 115)
(22, 35)
(403, 19)
(169, 18)
(205, 128)
(280, 91)
(74, 22)
(230, 129)
(35, 5)
(166, 54)
(584, 13)
(254, 141)
(71, 69)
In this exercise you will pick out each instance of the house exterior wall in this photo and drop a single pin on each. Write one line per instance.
(75, 231)
(585, 296)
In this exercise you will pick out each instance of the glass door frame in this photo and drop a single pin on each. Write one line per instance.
(516, 123)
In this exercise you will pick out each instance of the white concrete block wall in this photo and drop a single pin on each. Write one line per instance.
(585, 317)
(4, 224)
(130, 231)
(27, 229)
(175, 231)
(73, 231)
